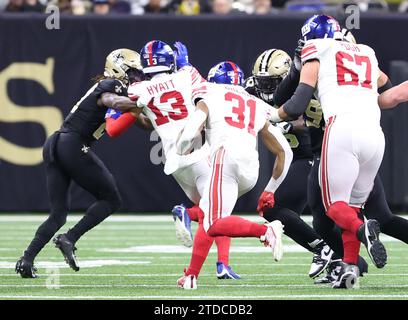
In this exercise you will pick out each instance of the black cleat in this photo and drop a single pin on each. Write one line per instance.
(321, 259)
(369, 233)
(347, 278)
(67, 249)
(333, 271)
(26, 268)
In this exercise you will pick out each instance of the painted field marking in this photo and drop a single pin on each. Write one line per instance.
(83, 264)
(395, 286)
(147, 275)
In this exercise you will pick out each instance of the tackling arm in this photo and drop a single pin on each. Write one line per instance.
(297, 105)
(121, 103)
(192, 128)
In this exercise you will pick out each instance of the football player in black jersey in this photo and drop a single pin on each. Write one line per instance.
(68, 157)
(291, 197)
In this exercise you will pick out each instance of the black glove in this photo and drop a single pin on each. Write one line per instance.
(297, 60)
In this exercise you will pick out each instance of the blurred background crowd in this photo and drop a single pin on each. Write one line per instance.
(195, 7)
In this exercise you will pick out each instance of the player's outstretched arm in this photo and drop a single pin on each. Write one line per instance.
(193, 128)
(118, 122)
(394, 96)
(121, 103)
(276, 142)
(297, 105)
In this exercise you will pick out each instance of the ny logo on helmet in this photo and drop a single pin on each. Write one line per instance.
(335, 24)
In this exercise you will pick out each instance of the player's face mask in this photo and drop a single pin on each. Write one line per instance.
(135, 75)
(266, 86)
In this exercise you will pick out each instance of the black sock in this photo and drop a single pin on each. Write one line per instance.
(95, 214)
(43, 235)
(294, 227)
(396, 227)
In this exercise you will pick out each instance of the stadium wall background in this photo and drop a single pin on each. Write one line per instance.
(44, 72)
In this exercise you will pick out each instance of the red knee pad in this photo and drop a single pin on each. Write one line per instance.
(337, 209)
(344, 216)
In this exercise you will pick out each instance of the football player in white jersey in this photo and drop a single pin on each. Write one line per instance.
(232, 119)
(166, 100)
(346, 77)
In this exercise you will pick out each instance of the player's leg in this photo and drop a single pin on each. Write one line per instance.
(290, 201)
(97, 180)
(369, 147)
(326, 227)
(339, 169)
(229, 180)
(377, 208)
(89, 172)
(57, 185)
(323, 225)
(192, 180)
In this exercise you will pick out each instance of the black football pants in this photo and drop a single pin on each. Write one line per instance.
(67, 158)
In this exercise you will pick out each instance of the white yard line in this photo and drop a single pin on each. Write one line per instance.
(56, 286)
(147, 275)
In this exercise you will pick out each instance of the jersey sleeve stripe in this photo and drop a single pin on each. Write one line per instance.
(308, 48)
(308, 55)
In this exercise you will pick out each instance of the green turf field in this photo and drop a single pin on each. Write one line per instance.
(138, 257)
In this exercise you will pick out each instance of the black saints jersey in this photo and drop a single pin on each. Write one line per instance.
(86, 117)
(315, 122)
(299, 140)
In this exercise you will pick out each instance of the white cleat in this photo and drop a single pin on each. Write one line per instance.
(182, 224)
(187, 282)
(273, 238)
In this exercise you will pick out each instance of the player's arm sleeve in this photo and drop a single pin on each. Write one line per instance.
(287, 87)
(192, 129)
(276, 142)
(297, 105)
(118, 122)
(384, 83)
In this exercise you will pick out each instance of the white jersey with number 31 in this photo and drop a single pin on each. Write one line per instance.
(348, 77)
(234, 120)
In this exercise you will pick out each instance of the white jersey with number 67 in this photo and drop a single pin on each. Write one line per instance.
(348, 75)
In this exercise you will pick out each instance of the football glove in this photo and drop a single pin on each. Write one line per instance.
(181, 54)
(285, 127)
(266, 200)
(297, 60)
(112, 114)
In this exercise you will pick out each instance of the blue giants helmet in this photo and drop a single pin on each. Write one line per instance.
(226, 72)
(157, 56)
(321, 27)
